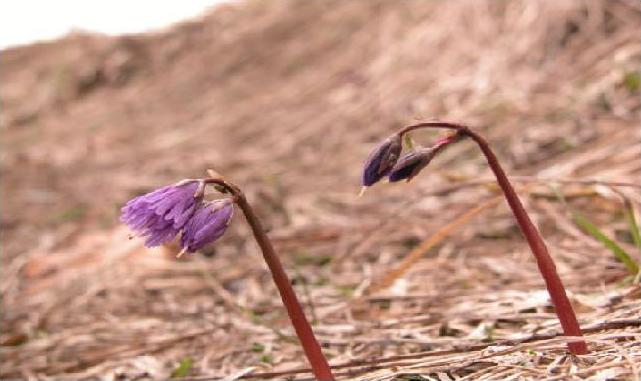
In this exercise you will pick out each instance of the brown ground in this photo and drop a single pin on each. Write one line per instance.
(286, 98)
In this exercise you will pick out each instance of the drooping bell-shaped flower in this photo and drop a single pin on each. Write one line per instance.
(208, 223)
(410, 164)
(381, 160)
(159, 216)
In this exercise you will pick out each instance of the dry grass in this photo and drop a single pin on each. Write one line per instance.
(286, 98)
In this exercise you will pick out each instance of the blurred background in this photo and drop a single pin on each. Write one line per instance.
(286, 98)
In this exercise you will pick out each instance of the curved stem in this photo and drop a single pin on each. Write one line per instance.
(446, 125)
(546, 265)
(310, 345)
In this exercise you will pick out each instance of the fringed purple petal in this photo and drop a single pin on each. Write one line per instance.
(160, 234)
(160, 215)
(207, 225)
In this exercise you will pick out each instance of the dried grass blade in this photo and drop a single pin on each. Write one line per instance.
(430, 242)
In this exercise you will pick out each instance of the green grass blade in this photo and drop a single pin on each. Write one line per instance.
(632, 223)
(182, 370)
(409, 142)
(597, 234)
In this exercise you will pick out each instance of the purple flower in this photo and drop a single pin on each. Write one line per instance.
(160, 215)
(381, 160)
(410, 164)
(207, 225)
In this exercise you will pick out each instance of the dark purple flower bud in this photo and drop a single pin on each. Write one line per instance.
(410, 164)
(160, 215)
(207, 225)
(381, 160)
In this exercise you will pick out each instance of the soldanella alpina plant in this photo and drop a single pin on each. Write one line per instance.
(181, 209)
(385, 160)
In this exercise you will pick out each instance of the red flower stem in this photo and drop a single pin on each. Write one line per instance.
(555, 287)
(312, 349)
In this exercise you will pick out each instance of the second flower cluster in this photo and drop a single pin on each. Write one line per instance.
(161, 215)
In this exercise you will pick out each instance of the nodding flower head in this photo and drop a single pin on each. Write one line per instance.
(160, 215)
(410, 164)
(207, 225)
(381, 160)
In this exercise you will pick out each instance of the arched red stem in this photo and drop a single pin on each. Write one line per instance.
(312, 349)
(546, 265)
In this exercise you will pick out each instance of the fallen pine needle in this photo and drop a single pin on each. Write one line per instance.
(430, 242)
